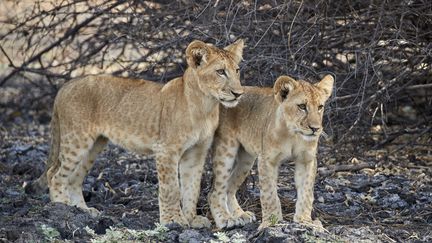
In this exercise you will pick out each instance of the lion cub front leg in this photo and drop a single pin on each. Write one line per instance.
(191, 169)
(304, 176)
(270, 203)
(169, 188)
(223, 161)
(240, 171)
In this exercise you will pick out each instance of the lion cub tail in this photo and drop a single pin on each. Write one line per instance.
(40, 185)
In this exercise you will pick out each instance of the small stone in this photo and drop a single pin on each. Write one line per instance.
(191, 236)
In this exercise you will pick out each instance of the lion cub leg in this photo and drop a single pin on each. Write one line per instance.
(191, 169)
(304, 177)
(74, 149)
(79, 173)
(167, 162)
(225, 151)
(270, 203)
(240, 171)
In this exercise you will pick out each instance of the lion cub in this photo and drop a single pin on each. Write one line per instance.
(270, 125)
(175, 122)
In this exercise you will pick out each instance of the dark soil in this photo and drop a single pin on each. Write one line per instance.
(389, 203)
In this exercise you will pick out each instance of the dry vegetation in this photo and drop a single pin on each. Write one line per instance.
(380, 52)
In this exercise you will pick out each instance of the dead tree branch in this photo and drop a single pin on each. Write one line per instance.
(324, 172)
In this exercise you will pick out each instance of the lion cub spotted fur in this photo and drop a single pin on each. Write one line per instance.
(270, 125)
(175, 122)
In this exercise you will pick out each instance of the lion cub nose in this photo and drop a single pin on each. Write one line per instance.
(314, 129)
(237, 94)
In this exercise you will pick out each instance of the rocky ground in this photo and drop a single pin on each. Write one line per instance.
(389, 202)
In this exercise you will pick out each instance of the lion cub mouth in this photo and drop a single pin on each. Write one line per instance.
(309, 137)
(229, 103)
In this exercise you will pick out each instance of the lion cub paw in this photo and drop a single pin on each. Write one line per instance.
(181, 220)
(226, 223)
(92, 211)
(200, 222)
(317, 225)
(176, 219)
(314, 224)
(245, 218)
(264, 224)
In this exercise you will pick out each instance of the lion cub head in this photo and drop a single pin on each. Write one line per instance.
(302, 104)
(217, 70)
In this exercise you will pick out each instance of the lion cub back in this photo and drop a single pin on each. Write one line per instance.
(105, 98)
(127, 111)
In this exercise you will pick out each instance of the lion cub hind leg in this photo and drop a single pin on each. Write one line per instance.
(64, 186)
(223, 162)
(191, 168)
(242, 166)
(81, 171)
(169, 188)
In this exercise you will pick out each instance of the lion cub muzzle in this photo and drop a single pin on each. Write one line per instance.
(233, 98)
(311, 129)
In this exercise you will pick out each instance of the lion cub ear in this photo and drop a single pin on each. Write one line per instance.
(196, 53)
(326, 84)
(236, 49)
(282, 87)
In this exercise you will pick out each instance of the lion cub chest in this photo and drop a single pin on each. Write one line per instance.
(204, 128)
(208, 126)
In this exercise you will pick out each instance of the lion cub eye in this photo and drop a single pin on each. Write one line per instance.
(221, 72)
(320, 107)
(302, 107)
(237, 70)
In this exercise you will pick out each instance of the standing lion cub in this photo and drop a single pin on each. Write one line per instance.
(175, 122)
(271, 126)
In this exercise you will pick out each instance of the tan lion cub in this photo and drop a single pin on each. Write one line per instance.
(175, 122)
(271, 125)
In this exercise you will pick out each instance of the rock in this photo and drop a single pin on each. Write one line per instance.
(191, 236)
(103, 224)
(361, 234)
(69, 221)
(22, 148)
(290, 232)
(11, 192)
(394, 201)
(273, 235)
